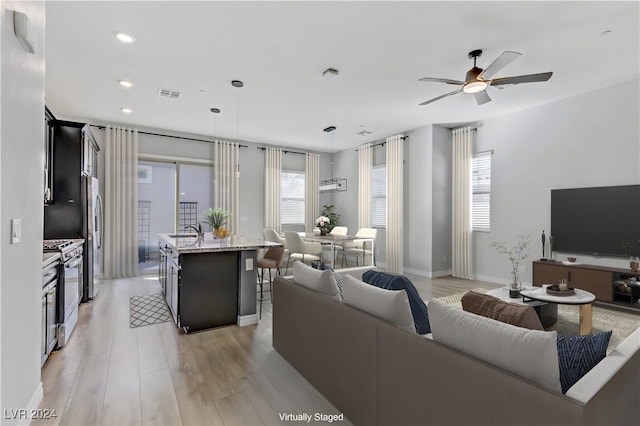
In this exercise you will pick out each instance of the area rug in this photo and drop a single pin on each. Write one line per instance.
(569, 320)
(148, 309)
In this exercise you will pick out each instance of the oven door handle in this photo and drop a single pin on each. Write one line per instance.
(74, 262)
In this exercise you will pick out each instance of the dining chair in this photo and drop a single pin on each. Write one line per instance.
(301, 250)
(272, 236)
(272, 259)
(360, 247)
(337, 230)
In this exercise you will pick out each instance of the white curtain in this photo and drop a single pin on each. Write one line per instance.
(226, 171)
(311, 190)
(365, 164)
(462, 255)
(395, 189)
(272, 174)
(121, 203)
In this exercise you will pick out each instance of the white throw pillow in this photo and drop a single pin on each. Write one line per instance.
(531, 354)
(390, 305)
(318, 280)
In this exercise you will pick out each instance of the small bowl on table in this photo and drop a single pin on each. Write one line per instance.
(571, 259)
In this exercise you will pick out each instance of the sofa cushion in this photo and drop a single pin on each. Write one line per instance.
(498, 309)
(579, 354)
(336, 275)
(390, 305)
(316, 280)
(531, 354)
(399, 282)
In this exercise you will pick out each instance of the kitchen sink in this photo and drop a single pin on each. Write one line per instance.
(182, 235)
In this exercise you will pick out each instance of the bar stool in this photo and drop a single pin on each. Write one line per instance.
(271, 260)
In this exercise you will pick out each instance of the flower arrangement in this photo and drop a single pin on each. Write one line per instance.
(322, 222)
(516, 255)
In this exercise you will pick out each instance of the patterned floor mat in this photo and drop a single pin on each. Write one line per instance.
(148, 309)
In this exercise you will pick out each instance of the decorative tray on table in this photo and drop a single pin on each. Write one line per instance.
(554, 290)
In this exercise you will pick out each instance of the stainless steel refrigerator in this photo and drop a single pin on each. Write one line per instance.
(92, 232)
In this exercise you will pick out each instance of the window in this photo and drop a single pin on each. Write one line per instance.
(292, 198)
(379, 196)
(481, 191)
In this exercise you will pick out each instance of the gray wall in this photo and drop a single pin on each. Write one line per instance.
(21, 191)
(586, 140)
(251, 220)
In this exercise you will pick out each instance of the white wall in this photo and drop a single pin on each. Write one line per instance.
(587, 140)
(21, 189)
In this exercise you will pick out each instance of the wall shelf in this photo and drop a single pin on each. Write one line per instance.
(333, 185)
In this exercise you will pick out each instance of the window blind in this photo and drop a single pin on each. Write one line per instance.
(292, 197)
(481, 191)
(379, 196)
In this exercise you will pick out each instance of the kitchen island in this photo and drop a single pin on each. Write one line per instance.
(208, 282)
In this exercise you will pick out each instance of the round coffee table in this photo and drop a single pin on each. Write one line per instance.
(581, 297)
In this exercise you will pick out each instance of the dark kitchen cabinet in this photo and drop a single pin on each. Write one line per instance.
(49, 139)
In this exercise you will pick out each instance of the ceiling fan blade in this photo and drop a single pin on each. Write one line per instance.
(529, 78)
(442, 80)
(501, 61)
(441, 96)
(482, 97)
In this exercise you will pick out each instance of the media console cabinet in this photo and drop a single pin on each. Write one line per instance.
(610, 285)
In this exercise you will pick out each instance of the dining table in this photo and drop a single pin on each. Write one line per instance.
(336, 239)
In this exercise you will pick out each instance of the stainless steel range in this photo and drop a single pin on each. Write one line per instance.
(69, 285)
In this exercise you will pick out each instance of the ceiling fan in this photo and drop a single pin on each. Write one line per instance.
(477, 80)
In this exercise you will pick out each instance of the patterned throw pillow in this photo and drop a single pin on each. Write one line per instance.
(579, 354)
(338, 277)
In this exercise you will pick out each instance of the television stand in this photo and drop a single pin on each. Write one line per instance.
(610, 285)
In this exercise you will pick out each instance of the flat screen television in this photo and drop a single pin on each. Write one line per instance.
(596, 220)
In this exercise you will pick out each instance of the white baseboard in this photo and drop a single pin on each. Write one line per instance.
(496, 280)
(427, 274)
(247, 319)
(34, 403)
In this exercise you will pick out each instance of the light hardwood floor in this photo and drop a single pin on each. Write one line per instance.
(112, 374)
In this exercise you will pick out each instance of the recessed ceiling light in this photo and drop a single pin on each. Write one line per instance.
(125, 83)
(329, 129)
(126, 110)
(237, 83)
(605, 33)
(215, 110)
(125, 38)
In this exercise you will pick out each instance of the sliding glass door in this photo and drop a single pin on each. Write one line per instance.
(171, 196)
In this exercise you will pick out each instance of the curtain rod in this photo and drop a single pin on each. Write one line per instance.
(384, 142)
(262, 148)
(169, 136)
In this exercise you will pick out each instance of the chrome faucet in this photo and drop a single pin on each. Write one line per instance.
(197, 227)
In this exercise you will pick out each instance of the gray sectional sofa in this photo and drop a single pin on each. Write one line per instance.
(379, 374)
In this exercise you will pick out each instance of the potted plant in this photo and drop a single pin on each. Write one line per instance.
(333, 217)
(216, 218)
(633, 253)
(516, 255)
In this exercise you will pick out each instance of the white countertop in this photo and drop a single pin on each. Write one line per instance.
(192, 244)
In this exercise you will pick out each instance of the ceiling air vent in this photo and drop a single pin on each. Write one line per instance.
(168, 93)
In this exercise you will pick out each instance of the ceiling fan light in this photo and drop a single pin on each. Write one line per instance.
(474, 86)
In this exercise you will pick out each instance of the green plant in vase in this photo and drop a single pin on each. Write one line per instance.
(516, 255)
(333, 217)
(216, 219)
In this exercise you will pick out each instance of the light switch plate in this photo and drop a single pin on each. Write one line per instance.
(249, 264)
(16, 231)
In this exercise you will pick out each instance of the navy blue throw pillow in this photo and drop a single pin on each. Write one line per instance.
(399, 282)
(579, 354)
